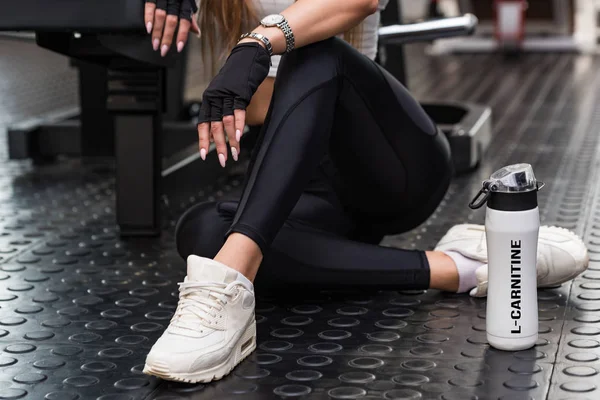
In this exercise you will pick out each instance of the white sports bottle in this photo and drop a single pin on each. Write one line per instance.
(512, 223)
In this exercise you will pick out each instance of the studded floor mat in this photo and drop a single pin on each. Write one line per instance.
(80, 308)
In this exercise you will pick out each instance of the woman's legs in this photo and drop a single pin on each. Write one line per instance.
(312, 250)
(390, 168)
(213, 328)
(392, 165)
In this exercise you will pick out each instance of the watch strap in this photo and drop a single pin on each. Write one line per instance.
(290, 41)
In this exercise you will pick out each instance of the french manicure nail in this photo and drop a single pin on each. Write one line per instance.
(155, 44)
(149, 27)
(234, 153)
(222, 160)
(180, 47)
(163, 50)
(203, 154)
(238, 135)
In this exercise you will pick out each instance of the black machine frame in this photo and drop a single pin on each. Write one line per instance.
(127, 109)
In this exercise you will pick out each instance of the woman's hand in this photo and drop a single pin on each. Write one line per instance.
(225, 99)
(161, 18)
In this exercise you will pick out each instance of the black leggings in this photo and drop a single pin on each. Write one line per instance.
(345, 156)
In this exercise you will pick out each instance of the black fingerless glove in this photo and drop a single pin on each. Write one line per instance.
(245, 69)
(184, 9)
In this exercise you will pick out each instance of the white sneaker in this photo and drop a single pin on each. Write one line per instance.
(562, 255)
(213, 328)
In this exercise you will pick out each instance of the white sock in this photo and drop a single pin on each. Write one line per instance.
(466, 270)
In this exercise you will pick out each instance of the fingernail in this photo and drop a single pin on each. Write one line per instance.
(163, 50)
(203, 154)
(149, 27)
(238, 135)
(234, 153)
(180, 47)
(155, 44)
(222, 160)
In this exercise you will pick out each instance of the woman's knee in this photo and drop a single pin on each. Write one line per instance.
(201, 230)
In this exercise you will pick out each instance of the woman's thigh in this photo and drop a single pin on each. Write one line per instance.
(393, 164)
(390, 164)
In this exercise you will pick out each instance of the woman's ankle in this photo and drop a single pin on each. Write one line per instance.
(242, 254)
(443, 272)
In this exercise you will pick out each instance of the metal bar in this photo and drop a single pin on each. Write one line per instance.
(437, 29)
(392, 57)
(69, 16)
(19, 35)
(60, 138)
(23, 136)
(562, 16)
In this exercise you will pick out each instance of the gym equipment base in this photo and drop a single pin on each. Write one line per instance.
(468, 128)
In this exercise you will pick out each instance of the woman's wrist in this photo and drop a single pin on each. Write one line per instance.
(274, 35)
(252, 40)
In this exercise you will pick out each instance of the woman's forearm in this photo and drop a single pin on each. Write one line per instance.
(316, 20)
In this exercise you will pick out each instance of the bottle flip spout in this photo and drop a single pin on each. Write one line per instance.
(516, 178)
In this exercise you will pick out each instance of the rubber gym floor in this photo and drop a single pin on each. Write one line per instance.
(80, 308)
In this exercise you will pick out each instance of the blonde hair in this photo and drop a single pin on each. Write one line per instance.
(222, 22)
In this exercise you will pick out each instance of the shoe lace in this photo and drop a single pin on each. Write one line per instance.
(203, 300)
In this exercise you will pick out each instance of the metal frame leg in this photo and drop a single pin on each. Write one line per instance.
(97, 125)
(138, 170)
(138, 148)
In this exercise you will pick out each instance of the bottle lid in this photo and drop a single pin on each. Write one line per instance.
(516, 178)
(513, 178)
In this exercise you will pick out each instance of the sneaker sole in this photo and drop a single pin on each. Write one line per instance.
(243, 348)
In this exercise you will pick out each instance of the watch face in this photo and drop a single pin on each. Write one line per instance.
(272, 19)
